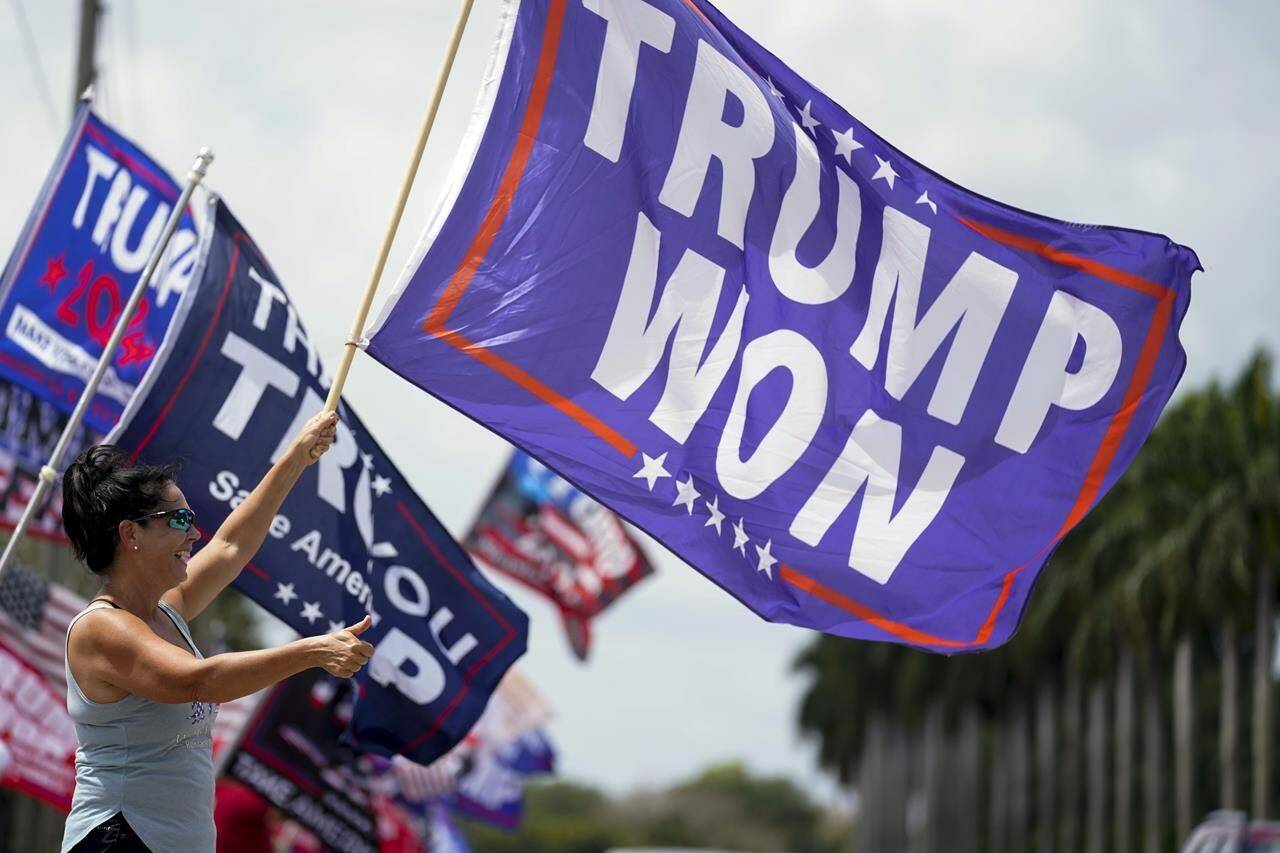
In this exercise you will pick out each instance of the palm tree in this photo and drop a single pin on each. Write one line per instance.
(1183, 547)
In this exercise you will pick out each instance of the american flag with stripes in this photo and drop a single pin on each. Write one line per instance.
(516, 709)
(29, 428)
(34, 615)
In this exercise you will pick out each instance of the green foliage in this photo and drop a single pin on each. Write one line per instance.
(727, 807)
(1173, 548)
(724, 807)
(230, 623)
(558, 816)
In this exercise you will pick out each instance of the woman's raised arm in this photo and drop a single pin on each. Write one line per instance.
(241, 535)
(116, 647)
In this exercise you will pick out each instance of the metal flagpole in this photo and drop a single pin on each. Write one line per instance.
(362, 314)
(49, 471)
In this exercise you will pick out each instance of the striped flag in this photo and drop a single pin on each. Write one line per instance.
(37, 737)
(34, 615)
(36, 734)
(231, 719)
(516, 710)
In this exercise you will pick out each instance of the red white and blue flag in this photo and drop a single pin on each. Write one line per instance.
(37, 737)
(98, 217)
(857, 396)
(539, 529)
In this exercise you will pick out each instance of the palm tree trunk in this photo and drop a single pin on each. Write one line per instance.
(934, 771)
(871, 786)
(1074, 750)
(969, 761)
(1229, 730)
(899, 789)
(1019, 777)
(1183, 752)
(1046, 768)
(1262, 698)
(998, 824)
(1123, 826)
(1153, 746)
(1097, 790)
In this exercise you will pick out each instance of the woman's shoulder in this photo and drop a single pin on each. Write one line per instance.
(100, 623)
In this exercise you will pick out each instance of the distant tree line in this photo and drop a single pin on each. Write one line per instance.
(1136, 696)
(725, 807)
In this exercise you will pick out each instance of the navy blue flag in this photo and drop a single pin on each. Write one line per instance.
(94, 225)
(232, 388)
(291, 755)
(859, 397)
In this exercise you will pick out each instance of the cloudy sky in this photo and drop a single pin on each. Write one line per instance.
(1150, 114)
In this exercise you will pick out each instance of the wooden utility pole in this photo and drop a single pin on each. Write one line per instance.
(86, 53)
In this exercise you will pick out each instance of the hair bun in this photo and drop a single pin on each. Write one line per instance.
(95, 465)
(102, 487)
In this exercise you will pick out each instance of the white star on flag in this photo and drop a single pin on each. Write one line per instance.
(806, 117)
(740, 536)
(381, 485)
(773, 90)
(284, 592)
(713, 506)
(924, 199)
(652, 471)
(686, 494)
(846, 145)
(311, 611)
(335, 626)
(367, 458)
(766, 559)
(885, 171)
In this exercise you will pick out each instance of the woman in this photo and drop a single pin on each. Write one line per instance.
(142, 696)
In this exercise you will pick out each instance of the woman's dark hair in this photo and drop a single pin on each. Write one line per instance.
(101, 489)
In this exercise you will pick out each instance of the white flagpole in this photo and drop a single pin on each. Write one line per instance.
(49, 471)
(362, 314)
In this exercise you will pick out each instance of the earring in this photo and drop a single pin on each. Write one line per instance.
(135, 547)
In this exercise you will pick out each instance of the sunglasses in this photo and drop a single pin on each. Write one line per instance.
(179, 519)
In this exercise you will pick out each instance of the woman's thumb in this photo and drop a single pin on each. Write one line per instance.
(361, 626)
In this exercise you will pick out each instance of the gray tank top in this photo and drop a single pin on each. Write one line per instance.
(150, 760)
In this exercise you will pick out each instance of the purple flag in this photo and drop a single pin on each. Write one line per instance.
(855, 395)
